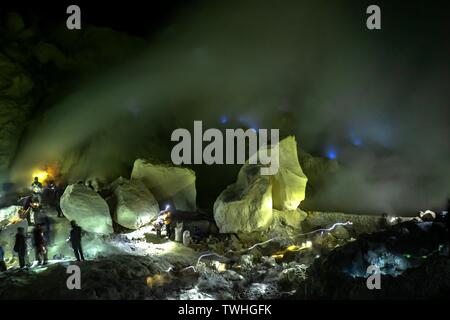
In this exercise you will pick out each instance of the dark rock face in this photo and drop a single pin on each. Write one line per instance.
(16, 103)
(40, 67)
(408, 259)
(116, 277)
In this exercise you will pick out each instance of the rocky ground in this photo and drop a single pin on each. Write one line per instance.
(138, 265)
(319, 263)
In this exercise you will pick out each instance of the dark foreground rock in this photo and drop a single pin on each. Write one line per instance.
(115, 277)
(429, 281)
(410, 258)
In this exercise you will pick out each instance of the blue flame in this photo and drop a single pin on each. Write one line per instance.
(331, 153)
(223, 119)
(355, 139)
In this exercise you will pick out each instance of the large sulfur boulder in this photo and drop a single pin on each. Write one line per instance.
(246, 205)
(168, 183)
(289, 183)
(84, 205)
(292, 218)
(135, 205)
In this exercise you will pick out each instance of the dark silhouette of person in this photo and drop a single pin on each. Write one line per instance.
(2, 259)
(25, 211)
(20, 246)
(54, 196)
(58, 194)
(75, 240)
(40, 244)
(47, 222)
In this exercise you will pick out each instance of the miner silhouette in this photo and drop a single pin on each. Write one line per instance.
(20, 246)
(75, 239)
(40, 244)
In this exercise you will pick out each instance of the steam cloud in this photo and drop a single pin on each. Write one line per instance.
(312, 70)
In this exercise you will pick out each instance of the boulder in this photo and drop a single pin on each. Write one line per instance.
(8, 213)
(168, 183)
(427, 215)
(340, 232)
(135, 205)
(246, 205)
(84, 205)
(289, 183)
(291, 218)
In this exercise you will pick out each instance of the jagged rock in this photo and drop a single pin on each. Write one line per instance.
(95, 183)
(427, 215)
(136, 206)
(292, 277)
(291, 218)
(245, 206)
(360, 223)
(168, 183)
(8, 213)
(289, 183)
(84, 205)
(340, 232)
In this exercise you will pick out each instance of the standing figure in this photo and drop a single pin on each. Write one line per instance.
(75, 240)
(168, 224)
(20, 246)
(40, 244)
(58, 194)
(2, 259)
(36, 190)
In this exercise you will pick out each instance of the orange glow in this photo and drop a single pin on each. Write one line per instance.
(44, 174)
(156, 280)
(292, 248)
(40, 174)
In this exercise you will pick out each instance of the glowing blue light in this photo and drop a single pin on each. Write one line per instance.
(331, 153)
(248, 122)
(357, 141)
(355, 138)
(223, 119)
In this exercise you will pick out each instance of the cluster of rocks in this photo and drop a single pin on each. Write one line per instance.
(250, 278)
(408, 255)
(131, 203)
